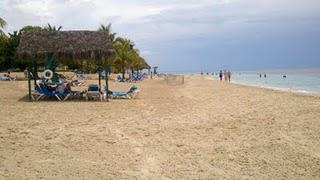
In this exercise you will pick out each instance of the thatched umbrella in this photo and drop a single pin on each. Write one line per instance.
(145, 65)
(64, 45)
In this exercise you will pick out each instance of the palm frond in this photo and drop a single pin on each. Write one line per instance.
(3, 23)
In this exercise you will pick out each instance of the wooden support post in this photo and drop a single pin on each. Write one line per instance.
(100, 74)
(34, 72)
(107, 81)
(29, 83)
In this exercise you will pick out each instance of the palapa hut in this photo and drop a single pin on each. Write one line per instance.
(63, 46)
(145, 65)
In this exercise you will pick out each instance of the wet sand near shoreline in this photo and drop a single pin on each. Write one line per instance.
(203, 129)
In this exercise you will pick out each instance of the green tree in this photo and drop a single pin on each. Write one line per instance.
(111, 59)
(13, 43)
(124, 54)
(32, 29)
(9, 45)
(8, 48)
(3, 45)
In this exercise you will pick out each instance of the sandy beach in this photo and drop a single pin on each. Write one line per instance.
(203, 129)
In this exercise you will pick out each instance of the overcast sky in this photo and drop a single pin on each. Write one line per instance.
(192, 35)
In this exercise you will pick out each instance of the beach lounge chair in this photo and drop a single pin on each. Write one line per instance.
(7, 77)
(41, 91)
(4, 78)
(120, 79)
(93, 92)
(80, 75)
(132, 93)
(139, 77)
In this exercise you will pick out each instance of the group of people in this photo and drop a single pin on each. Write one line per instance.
(226, 75)
(223, 75)
(265, 75)
(202, 73)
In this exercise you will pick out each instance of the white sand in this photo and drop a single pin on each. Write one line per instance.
(202, 130)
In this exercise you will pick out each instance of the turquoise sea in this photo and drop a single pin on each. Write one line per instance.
(303, 81)
(298, 81)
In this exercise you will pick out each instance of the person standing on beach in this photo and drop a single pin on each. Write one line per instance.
(225, 74)
(229, 76)
(220, 75)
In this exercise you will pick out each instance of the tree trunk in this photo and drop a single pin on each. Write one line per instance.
(132, 71)
(123, 74)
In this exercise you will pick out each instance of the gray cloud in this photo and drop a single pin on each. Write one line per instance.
(155, 25)
(168, 18)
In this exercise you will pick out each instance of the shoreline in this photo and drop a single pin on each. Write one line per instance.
(291, 88)
(279, 89)
(273, 88)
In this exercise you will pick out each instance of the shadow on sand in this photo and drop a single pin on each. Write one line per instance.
(54, 99)
(24, 99)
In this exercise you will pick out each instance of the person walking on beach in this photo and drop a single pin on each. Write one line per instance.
(229, 76)
(225, 74)
(220, 75)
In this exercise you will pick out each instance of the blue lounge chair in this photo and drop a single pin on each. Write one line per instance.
(132, 93)
(94, 92)
(41, 91)
(137, 77)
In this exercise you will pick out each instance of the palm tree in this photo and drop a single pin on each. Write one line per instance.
(138, 63)
(32, 29)
(107, 29)
(125, 55)
(3, 23)
(110, 60)
(53, 28)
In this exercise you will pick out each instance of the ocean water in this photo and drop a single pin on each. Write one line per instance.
(305, 82)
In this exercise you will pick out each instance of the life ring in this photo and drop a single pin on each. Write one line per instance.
(47, 74)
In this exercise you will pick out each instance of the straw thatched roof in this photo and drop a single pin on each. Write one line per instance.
(145, 65)
(64, 45)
